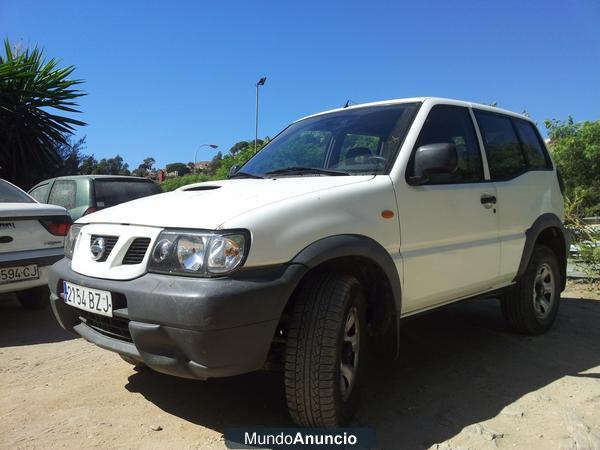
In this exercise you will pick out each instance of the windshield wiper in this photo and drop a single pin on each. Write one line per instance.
(244, 175)
(305, 170)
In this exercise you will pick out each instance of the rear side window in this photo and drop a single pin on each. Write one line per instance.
(502, 147)
(532, 145)
(12, 194)
(40, 193)
(113, 192)
(452, 125)
(64, 193)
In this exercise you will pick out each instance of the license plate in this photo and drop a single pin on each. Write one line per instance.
(88, 299)
(22, 273)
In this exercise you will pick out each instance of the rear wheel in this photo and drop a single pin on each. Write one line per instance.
(531, 306)
(35, 298)
(326, 351)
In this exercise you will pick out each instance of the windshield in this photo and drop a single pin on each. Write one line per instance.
(12, 194)
(356, 141)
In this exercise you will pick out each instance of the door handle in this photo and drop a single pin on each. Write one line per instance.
(487, 199)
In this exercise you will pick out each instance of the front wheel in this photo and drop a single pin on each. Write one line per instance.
(326, 351)
(531, 306)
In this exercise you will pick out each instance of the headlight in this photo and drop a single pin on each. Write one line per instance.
(198, 253)
(225, 253)
(71, 239)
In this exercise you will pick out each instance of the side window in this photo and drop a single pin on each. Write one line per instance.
(534, 149)
(358, 148)
(40, 193)
(504, 155)
(64, 193)
(453, 125)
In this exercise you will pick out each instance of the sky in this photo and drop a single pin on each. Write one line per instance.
(165, 77)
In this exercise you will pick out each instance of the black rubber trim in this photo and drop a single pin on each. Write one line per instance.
(201, 304)
(345, 245)
(348, 245)
(178, 351)
(545, 221)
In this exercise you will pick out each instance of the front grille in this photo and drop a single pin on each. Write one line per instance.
(112, 327)
(137, 250)
(109, 244)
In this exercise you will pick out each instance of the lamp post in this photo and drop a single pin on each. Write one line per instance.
(260, 82)
(199, 147)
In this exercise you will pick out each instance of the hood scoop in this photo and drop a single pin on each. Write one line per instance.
(201, 188)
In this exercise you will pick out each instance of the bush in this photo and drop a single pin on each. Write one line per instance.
(575, 149)
(173, 183)
(584, 235)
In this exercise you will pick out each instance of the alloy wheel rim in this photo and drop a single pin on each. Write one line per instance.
(543, 291)
(350, 353)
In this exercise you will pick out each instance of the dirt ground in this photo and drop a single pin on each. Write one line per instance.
(463, 381)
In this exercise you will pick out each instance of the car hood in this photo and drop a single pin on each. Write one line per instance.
(208, 205)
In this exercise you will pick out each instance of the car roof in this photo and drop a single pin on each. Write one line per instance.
(436, 100)
(94, 177)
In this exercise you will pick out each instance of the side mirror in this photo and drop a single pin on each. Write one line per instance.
(433, 159)
(233, 170)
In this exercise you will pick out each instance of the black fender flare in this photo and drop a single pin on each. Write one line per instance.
(353, 245)
(347, 245)
(543, 222)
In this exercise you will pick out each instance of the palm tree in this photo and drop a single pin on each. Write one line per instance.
(31, 90)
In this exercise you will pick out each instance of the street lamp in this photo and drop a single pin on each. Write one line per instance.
(260, 82)
(199, 147)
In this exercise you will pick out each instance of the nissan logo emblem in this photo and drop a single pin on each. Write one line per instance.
(97, 248)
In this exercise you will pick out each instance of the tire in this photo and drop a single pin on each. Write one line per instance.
(35, 298)
(319, 392)
(530, 307)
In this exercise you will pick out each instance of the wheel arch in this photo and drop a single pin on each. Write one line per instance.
(548, 230)
(373, 265)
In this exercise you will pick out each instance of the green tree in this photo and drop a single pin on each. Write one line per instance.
(145, 169)
(215, 163)
(71, 157)
(242, 153)
(88, 164)
(149, 163)
(575, 148)
(181, 168)
(32, 90)
(111, 166)
(237, 147)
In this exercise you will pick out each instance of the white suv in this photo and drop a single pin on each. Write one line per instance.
(310, 255)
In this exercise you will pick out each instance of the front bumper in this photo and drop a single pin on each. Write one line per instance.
(187, 327)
